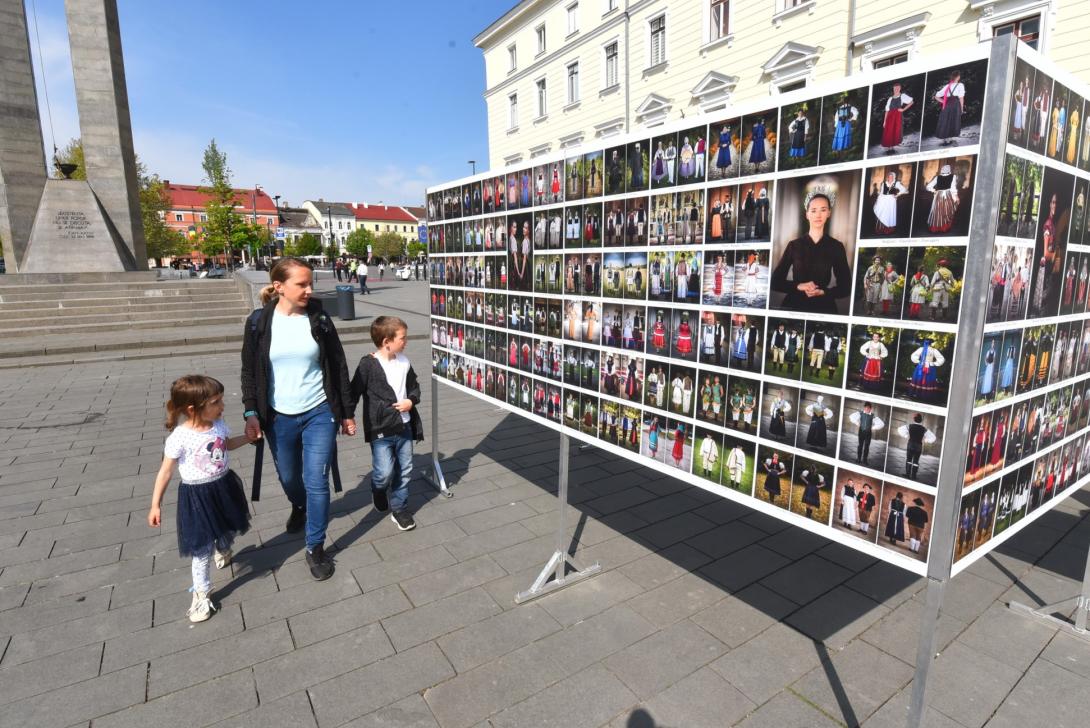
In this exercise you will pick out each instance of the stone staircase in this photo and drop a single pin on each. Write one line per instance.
(75, 307)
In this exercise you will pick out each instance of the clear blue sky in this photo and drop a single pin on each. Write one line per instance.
(340, 99)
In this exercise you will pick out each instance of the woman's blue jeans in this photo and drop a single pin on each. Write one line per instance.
(302, 447)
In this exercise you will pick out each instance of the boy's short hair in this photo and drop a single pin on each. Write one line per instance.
(386, 327)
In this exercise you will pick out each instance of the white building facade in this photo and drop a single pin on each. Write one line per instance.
(563, 72)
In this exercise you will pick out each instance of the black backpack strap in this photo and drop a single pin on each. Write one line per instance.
(255, 484)
(336, 468)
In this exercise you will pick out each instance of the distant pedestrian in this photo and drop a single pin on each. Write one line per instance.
(361, 275)
(387, 384)
(211, 507)
(381, 270)
(416, 271)
(338, 268)
(295, 389)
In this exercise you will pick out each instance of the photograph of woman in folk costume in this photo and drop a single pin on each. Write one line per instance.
(821, 429)
(799, 130)
(724, 160)
(885, 204)
(1042, 114)
(920, 368)
(988, 369)
(810, 492)
(718, 278)
(944, 197)
(684, 336)
(1074, 119)
(721, 203)
(758, 144)
(775, 466)
(653, 425)
(1050, 249)
(1021, 103)
(895, 115)
(812, 272)
(842, 135)
(954, 102)
(944, 202)
(951, 98)
(681, 449)
(778, 421)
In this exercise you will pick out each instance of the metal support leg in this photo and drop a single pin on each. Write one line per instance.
(435, 477)
(556, 568)
(925, 652)
(1047, 612)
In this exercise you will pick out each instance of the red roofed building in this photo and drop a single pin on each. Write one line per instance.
(189, 202)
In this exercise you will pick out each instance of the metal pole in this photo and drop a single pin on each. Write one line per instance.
(555, 574)
(959, 414)
(1046, 612)
(436, 477)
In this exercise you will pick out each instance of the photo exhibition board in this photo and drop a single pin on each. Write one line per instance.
(1028, 446)
(762, 301)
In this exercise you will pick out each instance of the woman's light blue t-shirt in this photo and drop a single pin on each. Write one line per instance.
(296, 382)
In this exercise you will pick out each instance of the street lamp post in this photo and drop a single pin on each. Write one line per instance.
(276, 202)
(329, 219)
(254, 199)
(473, 165)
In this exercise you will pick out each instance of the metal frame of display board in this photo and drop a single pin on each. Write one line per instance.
(980, 247)
(974, 304)
(561, 569)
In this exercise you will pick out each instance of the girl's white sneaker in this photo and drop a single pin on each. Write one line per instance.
(201, 608)
(221, 559)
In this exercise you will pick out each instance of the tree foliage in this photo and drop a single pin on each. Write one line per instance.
(415, 249)
(72, 154)
(307, 244)
(388, 245)
(357, 242)
(162, 241)
(222, 227)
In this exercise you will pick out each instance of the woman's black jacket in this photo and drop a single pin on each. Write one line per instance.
(255, 362)
(380, 419)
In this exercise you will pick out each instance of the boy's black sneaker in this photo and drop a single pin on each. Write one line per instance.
(296, 520)
(381, 499)
(404, 520)
(321, 566)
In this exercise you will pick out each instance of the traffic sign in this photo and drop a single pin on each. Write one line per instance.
(280, 233)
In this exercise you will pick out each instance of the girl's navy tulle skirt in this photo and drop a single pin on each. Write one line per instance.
(211, 514)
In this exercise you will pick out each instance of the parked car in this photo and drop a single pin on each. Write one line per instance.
(404, 273)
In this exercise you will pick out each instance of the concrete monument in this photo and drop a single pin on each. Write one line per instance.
(61, 224)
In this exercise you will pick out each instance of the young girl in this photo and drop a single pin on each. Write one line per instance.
(212, 507)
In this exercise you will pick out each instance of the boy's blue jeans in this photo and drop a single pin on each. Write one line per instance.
(302, 447)
(386, 454)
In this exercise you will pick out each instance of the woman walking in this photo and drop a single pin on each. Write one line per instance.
(295, 389)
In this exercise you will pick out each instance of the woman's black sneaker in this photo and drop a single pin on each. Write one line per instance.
(296, 520)
(321, 566)
(404, 520)
(381, 499)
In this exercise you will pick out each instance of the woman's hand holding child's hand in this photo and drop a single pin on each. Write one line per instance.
(403, 405)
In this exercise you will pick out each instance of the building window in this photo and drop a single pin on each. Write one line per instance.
(573, 18)
(657, 47)
(611, 5)
(573, 82)
(1028, 30)
(204, 217)
(611, 65)
(891, 60)
(177, 217)
(542, 107)
(513, 111)
(512, 58)
(782, 5)
(540, 39)
(376, 226)
(719, 20)
(793, 86)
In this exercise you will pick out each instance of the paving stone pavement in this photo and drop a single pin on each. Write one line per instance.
(706, 613)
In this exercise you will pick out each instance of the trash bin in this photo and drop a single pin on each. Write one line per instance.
(346, 303)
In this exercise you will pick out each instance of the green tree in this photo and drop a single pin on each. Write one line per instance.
(388, 245)
(162, 241)
(357, 242)
(415, 249)
(220, 231)
(72, 154)
(307, 244)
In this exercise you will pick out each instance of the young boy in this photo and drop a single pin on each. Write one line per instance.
(387, 384)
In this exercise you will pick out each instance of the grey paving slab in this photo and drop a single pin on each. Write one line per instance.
(384, 573)
(1008, 636)
(737, 619)
(664, 566)
(293, 711)
(787, 710)
(299, 599)
(898, 632)
(968, 685)
(1069, 652)
(37, 616)
(677, 599)
(662, 659)
(806, 579)
(49, 673)
(1046, 695)
(743, 567)
(435, 619)
(96, 628)
(588, 597)
(587, 699)
(346, 615)
(748, 669)
(339, 700)
(198, 705)
(410, 712)
(316, 663)
(79, 702)
(853, 683)
(68, 564)
(837, 617)
(701, 700)
(169, 637)
(451, 580)
(197, 664)
(495, 636)
(580, 646)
